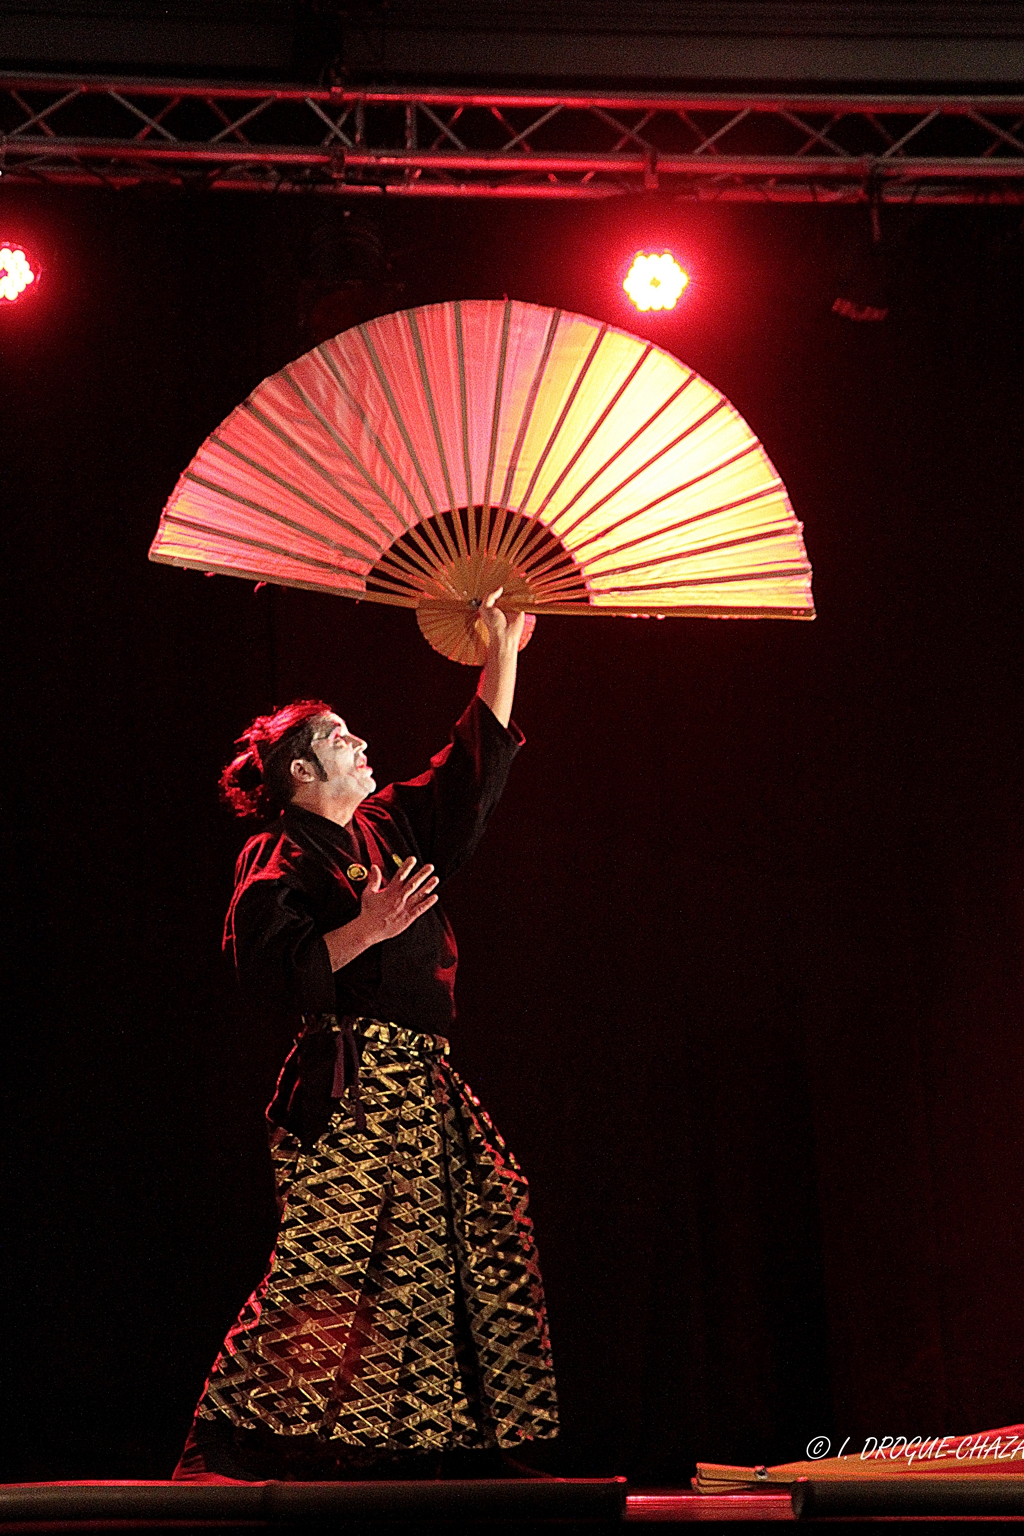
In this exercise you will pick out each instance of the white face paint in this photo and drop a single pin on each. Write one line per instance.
(343, 758)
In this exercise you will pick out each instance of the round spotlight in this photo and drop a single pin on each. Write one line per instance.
(655, 282)
(15, 272)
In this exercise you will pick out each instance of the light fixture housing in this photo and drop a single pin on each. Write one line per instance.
(16, 272)
(655, 280)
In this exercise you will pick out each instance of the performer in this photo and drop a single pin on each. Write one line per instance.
(403, 1311)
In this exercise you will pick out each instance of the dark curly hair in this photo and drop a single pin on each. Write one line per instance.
(258, 782)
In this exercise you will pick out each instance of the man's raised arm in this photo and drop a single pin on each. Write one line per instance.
(497, 684)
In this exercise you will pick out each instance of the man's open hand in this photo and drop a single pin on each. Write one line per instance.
(388, 908)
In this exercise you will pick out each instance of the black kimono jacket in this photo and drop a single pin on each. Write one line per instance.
(304, 876)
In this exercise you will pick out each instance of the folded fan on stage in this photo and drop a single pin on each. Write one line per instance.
(430, 456)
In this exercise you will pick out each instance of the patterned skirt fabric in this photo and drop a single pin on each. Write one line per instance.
(403, 1309)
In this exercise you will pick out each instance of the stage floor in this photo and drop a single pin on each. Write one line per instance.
(513, 1508)
(523, 1504)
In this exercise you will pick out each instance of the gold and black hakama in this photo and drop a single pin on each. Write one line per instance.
(403, 1309)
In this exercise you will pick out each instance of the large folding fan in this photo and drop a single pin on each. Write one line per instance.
(427, 457)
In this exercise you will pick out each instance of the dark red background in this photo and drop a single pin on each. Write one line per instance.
(741, 953)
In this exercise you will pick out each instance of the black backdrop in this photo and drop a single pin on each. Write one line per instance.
(741, 952)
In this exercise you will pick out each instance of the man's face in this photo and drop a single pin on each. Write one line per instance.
(342, 757)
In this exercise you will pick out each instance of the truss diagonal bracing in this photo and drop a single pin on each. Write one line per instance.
(465, 143)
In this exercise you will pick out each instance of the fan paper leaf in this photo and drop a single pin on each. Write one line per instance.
(426, 456)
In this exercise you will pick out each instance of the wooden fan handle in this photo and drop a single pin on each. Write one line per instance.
(454, 629)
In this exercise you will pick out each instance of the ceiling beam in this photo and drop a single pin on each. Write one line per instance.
(921, 44)
(445, 142)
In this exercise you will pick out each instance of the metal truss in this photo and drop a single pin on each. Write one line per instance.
(524, 144)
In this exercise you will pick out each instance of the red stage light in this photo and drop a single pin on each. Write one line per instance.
(655, 282)
(15, 272)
